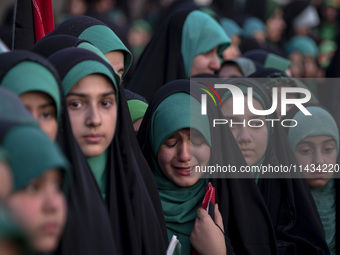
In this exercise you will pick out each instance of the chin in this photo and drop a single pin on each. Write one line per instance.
(317, 183)
(93, 152)
(46, 246)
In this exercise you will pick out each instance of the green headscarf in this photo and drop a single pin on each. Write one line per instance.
(200, 34)
(29, 76)
(30, 153)
(231, 27)
(320, 123)
(13, 110)
(179, 203)
(275, 61)
(83, 69)
(3, 155)
(106, 40)
(252, 25)
(137, 109)
(303, 44)
(11, 232)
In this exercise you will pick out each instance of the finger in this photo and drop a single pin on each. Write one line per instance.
(218, 217)
(201, 213)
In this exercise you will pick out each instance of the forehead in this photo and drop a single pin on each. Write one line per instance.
(318, 139)
(93, 83)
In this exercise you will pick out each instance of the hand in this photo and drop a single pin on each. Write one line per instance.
(206, 237)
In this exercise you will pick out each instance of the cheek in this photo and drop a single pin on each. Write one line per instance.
(303, 160)
(50, 128)
(112, 122)
(76, 120)
(26, 209)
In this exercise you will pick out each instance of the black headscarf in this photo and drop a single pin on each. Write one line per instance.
(46, 46)
(292, 209)
(246, 221)
(134, 213)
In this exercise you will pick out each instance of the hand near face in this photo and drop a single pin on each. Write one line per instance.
(206, 237)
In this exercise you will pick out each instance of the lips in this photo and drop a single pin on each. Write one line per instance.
(185, 171)
(246, 151)
(93, 138)
(50, 228)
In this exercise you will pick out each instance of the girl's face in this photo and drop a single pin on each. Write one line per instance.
(207, 63)
(41, 209)
(317, 156)
(181, 152)
(251, 139)
(92, 108)
(43, 109)
(116, 59)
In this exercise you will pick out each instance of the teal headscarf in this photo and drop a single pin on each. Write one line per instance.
(179, 203)
(200, 34)
(303, 44)
(320, 123)
(10, 231)
(106, 40)
(13, 110)
(230, 27)
(29, 76)
(30, 153)
(252, 25)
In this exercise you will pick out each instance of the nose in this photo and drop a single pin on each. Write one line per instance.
(318, 158)
(243, 135)
(214, 63)
(93, 116)
(184, 152)
(53, 200)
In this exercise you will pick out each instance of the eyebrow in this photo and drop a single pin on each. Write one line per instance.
(47, 105)
(85, 95)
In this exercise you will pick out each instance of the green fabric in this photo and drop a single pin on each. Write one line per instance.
(137, 109)
(179, 203)
(231, 27)
(83, 69)
(94, 49)
(11, 231)
(186, 112)
(106, 40)
(198, 31)
(328, 31)
(13, 110)
(303, 44)
(98, 166)
(3, 154)
(141, 25)
(277, 62)
(253, 25)
(29, 76)
(246, 65)
(30, 153)
(325, 201)
(320, 123)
